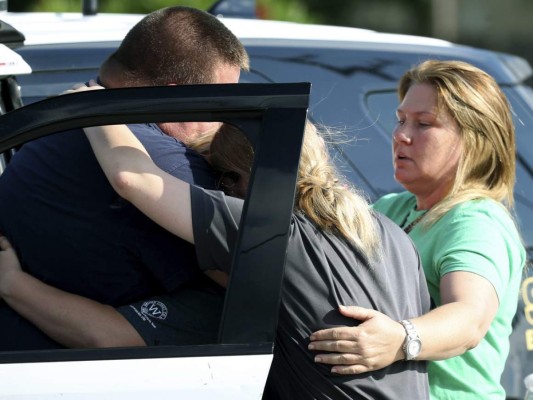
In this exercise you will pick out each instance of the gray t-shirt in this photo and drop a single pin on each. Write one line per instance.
(322, 272)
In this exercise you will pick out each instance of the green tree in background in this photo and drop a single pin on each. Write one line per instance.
(287, 10)
(403, 16)
(118, 6)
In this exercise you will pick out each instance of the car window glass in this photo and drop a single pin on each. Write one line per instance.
(521, 99)
(51, 75)
(341, 79)
(382, 107)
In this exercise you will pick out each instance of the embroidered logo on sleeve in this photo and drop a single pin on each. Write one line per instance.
(154, 309)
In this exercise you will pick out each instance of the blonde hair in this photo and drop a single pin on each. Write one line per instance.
(331, 204)
(475, 101)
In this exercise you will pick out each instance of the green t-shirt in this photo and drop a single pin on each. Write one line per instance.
(477, 236)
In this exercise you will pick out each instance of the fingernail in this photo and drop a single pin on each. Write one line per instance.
(334, 370)
(311, 347)
(318, 359)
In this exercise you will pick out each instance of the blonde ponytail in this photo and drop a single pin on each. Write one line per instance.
(332, 205)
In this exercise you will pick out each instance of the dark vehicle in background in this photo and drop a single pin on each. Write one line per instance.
(353, 73)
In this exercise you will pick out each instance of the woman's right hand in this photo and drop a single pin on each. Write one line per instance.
(9, 266)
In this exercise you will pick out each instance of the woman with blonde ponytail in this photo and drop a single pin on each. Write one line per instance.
(454, 153)
(340, 251)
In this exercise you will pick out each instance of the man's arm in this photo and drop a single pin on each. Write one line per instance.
(71, 320)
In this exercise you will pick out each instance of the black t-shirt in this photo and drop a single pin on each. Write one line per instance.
(322, 272)
(74, 232)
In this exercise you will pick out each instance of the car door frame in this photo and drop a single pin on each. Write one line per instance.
(237, 366)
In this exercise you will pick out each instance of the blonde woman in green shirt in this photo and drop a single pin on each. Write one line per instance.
(454, 153)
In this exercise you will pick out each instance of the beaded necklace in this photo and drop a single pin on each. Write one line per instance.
(410, 227)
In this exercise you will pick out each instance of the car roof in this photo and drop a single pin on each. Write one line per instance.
(63, 28)
(56, 28)
(49, 28)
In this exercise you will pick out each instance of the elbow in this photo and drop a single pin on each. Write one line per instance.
(473, 343)
(123, 182)
(476, 336)
(480, 329)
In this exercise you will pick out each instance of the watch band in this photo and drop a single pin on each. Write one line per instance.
(412, 344)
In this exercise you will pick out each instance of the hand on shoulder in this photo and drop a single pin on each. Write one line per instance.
(374, 344)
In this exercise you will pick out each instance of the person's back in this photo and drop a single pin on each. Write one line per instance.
(323, 272)
(65, 221)
(339, 253)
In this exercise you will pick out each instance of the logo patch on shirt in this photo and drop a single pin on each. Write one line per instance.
(154, 309)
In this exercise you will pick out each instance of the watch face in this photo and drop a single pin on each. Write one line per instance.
(414, 347)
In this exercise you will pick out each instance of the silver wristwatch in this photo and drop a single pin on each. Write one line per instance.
(412, 344)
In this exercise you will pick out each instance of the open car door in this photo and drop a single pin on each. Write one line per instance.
(237, 366)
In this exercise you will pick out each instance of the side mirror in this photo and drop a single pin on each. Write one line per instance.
(11, 63)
